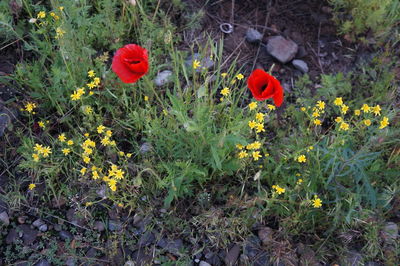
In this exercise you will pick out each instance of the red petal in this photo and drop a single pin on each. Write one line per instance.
(130, 63)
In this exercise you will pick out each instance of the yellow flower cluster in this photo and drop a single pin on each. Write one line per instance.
(318, 110)
(40, 151)
(78, 93)
(252, 150)
(59, 33)
(301, 158)
(30, 107)
(278, 189)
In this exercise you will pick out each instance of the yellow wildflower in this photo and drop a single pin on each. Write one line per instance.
(96, 81)
(260, 127)
(357, 112)
(59, 33)
(315, 114)
(252, 124)
(299, 181)
(239, 76)
(321, 105)
(41, 14)
(243, 154)
(119, 174)
(46, 151)
(252, 106)
(121, 153)
(260, 117)
(108, 133)
(338, 119)
(29, 107)
(196, 64)
(271, 107)
(303, 109)
(367, 122)
(129, 155)
(317, 122)
(91, 73)
(88, 110)
(338, 101)
(256, 145)
(146, 98)
(316, 202)
(239, 146)
(344, 109)
(344, 126)
(83, 171)
(225, 91)
(41, 124)
(100, 129)
(224, 74)
(105, 141)
(302, 158)
(62, 137)
(86, 159)
(256, 155)
(384, 123)
(35, 157)
(376, 110)
(31, 186)
(278, 189)
(66, 151)
(365, 108)
(38, 148)
(70, 142)
(61, 8)
(76, 96)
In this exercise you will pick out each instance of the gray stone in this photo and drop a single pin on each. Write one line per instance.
(114, 225)
(28, 234)
(147, 239)
(253, 36)
(99, 226)
(43, 228)
(4, 218)
(70, 261)
(163, 78)
(43, 262)
(390, 232)
(37, 223)
(130, 263)
(232, 255)
(12, 236)
(266, 236)
(65, 235)
(173, 246)
(145, 148)
(203, 263)
(205, 62)
(282, 49)
(4, 122)
(300, 65)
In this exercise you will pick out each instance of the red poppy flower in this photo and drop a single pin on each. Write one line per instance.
(264, 86)
(130, 63)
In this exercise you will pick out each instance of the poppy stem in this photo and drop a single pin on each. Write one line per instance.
(271, 68)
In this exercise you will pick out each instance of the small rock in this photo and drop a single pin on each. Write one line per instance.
(302, 52)
(43, 228)
(203, 263)
(390, 233)
(145, 148)
(102, 191)
(129, 263)
(353, 258)
(300, 65)
(11, 237)
(253, 36)
(4, 218)
(114, 225)
(28, 234)
(4, 121)
(205, 62)
(266, 236)
(146, 239)
(70, 262)
(37, 223)
(163, 78)
(232, 255)
(282, 49)
(42, 262)
(65, 235)
(172, 246)
(99, 226)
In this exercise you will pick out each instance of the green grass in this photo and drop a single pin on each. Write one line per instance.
(193, 134)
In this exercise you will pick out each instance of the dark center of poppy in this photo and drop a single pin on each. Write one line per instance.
(132, 61)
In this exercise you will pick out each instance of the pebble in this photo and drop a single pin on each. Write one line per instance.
(43, 228)
(253, 36)
(232, 256)
(300, 65)
(65, 235)
(37, 223)
(4, 218)
(99, 226)
(129, 263)
(28, 234)
(203, 263)
(114, 225)
(145, 148)
(163, 78)
(265, 234)
(282, 49)
(70, 261)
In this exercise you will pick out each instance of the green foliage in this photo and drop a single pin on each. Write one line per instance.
(356, 17)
